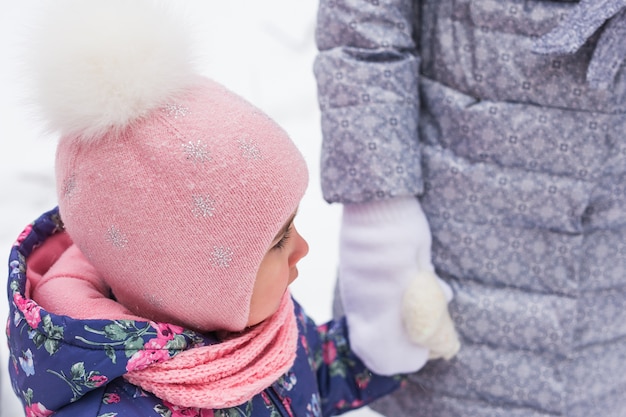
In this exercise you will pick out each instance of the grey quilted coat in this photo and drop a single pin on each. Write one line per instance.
(508, 119)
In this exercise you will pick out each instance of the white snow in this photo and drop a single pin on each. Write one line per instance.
(262, 50)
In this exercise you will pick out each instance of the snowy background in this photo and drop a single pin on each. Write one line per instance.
(262, 50)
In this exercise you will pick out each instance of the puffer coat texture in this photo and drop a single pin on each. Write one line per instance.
(507, 118)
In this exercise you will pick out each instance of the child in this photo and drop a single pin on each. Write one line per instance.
(159, 285)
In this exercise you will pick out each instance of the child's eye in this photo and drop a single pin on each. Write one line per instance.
(283, 240)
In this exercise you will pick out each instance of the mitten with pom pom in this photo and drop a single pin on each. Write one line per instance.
(384, 247)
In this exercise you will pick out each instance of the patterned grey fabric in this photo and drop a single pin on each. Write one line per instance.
(520, 163)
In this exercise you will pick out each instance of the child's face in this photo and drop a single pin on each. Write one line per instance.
(277, 271)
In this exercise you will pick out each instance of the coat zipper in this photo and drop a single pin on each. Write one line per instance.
(280, 406)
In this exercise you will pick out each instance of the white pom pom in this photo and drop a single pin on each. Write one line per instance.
(426, 317)
(100, 64)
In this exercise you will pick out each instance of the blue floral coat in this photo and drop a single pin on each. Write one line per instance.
(65, 367)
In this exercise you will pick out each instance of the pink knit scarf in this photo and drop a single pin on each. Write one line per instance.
(216, 376)
(228, 373)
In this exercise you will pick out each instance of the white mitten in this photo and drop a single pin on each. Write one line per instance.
(384, 247)
(426, 316)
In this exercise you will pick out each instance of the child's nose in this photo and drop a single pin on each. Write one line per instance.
(301, 248)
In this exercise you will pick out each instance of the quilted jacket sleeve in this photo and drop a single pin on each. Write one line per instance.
(367, 76)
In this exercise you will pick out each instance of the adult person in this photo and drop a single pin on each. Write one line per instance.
(501, 124)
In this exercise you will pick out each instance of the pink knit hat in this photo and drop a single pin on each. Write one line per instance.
(171, 185)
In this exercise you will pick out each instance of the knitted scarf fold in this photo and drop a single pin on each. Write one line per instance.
(229, 373)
